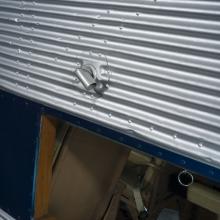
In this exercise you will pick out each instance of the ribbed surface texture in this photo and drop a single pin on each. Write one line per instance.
(161, 61)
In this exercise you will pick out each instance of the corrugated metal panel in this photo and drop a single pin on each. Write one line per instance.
(161, 59)
(5, 216)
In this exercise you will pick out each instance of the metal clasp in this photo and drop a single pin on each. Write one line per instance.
(87, 75)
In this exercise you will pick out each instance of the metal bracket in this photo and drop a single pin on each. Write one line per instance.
(87, 75)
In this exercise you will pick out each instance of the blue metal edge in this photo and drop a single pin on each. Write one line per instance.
(37, 145)
(194, 166)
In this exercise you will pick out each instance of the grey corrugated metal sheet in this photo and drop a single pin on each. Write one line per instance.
(161, 59)
(5, 216)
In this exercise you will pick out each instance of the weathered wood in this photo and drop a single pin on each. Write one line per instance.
(47, 218)
(44, 175)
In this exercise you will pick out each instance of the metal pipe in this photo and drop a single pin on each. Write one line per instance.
(86, 78)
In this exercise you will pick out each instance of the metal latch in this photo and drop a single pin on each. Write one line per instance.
(87, 75)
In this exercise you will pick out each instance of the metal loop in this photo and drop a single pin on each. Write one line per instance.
(185, 178)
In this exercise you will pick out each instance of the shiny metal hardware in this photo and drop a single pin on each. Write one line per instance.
(87, 75)
(100, 87)
(185, 178)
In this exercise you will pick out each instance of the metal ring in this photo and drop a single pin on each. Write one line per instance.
(188, 175)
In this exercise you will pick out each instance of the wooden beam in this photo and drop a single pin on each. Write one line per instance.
(47, 218)
(44, 176)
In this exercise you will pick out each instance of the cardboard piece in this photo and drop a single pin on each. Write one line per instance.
(86, 173)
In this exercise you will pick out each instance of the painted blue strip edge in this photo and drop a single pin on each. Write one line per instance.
(37, 145)
(200, 168)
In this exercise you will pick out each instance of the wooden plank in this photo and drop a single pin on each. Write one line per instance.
(44, 176)
(47, 218)
(112, 209)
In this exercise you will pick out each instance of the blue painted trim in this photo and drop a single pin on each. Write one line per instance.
(19, 129)
(200, 168)
(37, 146)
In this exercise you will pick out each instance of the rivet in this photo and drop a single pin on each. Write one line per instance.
(151, 128)
(175, 136)
(159, 153)
(183, 162)
(200, 144)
